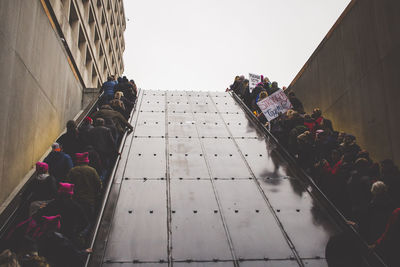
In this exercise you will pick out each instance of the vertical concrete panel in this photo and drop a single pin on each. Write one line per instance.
(375, 131)
(37, 86)
(351, 52)
(391, 88)
(331, 73)
(386, 21)
(9, 15)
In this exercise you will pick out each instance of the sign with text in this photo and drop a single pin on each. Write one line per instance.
(274, 105)
(254, 79)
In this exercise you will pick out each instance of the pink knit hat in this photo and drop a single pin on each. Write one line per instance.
(82, 157)
(42, 167)
(66, 188)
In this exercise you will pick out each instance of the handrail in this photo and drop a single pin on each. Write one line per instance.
(371, 257)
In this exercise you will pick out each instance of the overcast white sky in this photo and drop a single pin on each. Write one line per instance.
(203, 44)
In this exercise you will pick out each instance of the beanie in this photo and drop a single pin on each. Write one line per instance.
(42, 167)
(66, 188)
(82, 157)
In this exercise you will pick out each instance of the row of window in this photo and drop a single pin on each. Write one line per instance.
(94, 34)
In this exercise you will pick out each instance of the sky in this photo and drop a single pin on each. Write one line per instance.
(202, 45)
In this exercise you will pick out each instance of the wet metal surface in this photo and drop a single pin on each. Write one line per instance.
(199, 185)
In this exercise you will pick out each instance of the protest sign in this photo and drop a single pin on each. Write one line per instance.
(275, 104)
(254, 79)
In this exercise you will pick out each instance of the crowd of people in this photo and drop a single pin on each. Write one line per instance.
(67, 188)
(367, 193)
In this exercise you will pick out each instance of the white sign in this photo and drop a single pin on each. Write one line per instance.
(254, 79)
(274, 105)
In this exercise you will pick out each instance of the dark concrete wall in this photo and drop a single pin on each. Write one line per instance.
(39, 91)
(354, 76)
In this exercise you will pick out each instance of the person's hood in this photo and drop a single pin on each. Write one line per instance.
(42, 177)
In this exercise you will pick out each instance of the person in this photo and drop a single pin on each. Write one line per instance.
(70, 141)
(134, 87)
(391, 177)
(84, 129)
(387, 245)
(109, 123)
(59, 163)
(44, 188)
(95, 160)
(317, 116)
(309, 123)
(87, 184)
(106, 112)
(74, 222)
(296, 103)
(274, 88)
(379, 210)
(118, 105)
(103, 142)
(350, 147)
(125, 87)
(359, 190)
(108, 89)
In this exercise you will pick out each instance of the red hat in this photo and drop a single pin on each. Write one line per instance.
(66, 188)
(88, 119)
(42, 167)
(82, 157)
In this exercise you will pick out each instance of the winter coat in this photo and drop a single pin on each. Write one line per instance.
(297, 105)
(70, 143)
(378, 214)
(61, 251)
(350, 150)
(73, 218)
(94, 159)
(118, 119)
(59, 164)
(388, 243)
(102, 141)
(108, 88)
(359, 190)
(44, 187)
(127, 89)
(87, 184)
(84, 134)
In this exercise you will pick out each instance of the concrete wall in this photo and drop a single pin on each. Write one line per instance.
(354, 76)
(39, 92)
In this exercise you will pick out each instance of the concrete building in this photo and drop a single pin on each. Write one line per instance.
(52, 52)
(354, 76)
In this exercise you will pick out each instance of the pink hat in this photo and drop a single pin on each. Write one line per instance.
(66, 188)
(42, 167)
(82, 157)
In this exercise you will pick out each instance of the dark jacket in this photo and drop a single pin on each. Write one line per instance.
(296, 103)
(59, 164)
(108, 88)
(102, 141)
(127, 89)
(87, 184)
(118, 119)
(94, 159)
(44, 187)
(71, 143)
(73, 218)
(84, 133)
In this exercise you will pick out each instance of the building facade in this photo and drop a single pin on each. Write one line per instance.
(52, 52)
(93, 30)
